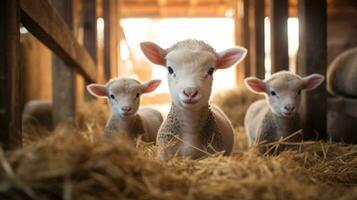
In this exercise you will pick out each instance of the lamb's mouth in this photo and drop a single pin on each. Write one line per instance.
(288, 114)
(190, 101)
(126, 114)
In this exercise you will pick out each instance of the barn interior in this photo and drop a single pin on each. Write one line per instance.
(51, 127)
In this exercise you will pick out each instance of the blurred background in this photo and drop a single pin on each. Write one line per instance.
(122, 24)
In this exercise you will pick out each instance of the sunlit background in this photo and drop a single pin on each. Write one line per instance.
(219, 32)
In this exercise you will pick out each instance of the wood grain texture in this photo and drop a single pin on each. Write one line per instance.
(279, 35)
(10, 75)
(63, 75)
(312, 58)
(110, 8)
(256, 38)
(89, 19)
(44, 21)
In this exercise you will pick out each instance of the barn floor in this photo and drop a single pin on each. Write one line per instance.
(73, 163)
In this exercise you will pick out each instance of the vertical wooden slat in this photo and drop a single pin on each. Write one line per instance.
(279, 35)
(256, 38)
(312, 58)
(89, 18)
(242, 38)
(245, 37)
(110, 8)
(63, 76)
(10, 75)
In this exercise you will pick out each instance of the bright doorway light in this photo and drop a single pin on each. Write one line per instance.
(293, 44)
(218, 32)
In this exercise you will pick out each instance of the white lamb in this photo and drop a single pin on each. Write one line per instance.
(195, 127)
(123, 96)
(268, 120)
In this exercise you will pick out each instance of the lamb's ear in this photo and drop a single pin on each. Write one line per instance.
(230, 57)
(154, 53)
(255, 84)
(312, 81)
(151, 85)
(97, 90)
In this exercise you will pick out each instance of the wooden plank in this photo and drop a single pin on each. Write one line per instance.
(312, 58)
(279, 35)
(238, 32)
(245, 37)
(256, 38)
(111, 22)
(89, 18)
(63, 76)
(43, 21)
(10, 75)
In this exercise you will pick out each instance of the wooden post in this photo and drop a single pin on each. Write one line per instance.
(312, 58)
(279, 35)
(110, 9)
(241, 26)
(256, 38)
(89, 19)
(10, 75)
(63, 76)
(245, 37)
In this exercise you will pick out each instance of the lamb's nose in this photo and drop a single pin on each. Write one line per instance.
(190, 92)
(289, 107)
(126, 109)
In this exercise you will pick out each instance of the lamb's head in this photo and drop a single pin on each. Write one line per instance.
(282, 90)
(123, 94)
(190, 65)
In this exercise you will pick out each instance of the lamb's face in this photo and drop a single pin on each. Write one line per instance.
(283, 90)
(284, 95)
(190, 65)
(190, 75)
(123, 94)
(124, 97)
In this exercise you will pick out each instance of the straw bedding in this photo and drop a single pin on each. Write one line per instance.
(73, 163)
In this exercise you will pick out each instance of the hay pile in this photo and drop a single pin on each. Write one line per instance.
(73, 163)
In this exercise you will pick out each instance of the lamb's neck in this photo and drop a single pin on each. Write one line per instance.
(284, 125)
(191, 120)
(124, 124)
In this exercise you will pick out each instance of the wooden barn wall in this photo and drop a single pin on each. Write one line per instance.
(36, 62)
(342, 27)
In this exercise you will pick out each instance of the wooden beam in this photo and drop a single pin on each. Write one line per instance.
(45, 23)
(173, 10)
(10, 75)
(111, 22)
(279, 35)
(312, 58)
(63, 76)
(256, 38)
(89, 19)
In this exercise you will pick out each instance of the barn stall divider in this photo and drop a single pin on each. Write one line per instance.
(50, 22)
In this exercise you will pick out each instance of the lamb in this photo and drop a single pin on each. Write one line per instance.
(268, 120)
(123, 95)
(342, 72)
(193, 127)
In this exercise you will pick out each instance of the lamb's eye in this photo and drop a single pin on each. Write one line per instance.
(273, 93)
(299, 92)
(210, 71)
(112, 96)
(137, 95)
(171, 71)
